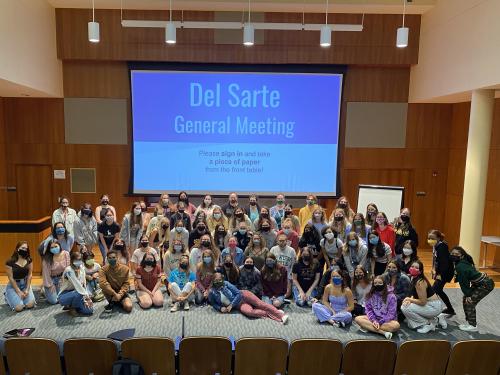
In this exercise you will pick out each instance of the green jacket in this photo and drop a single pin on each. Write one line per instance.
(465, 273)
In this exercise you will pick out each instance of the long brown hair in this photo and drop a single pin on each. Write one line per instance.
(135, 219)
(273, 274)
(204, 268)
(313, 263)
(15, 255)
(384, 292)
(422, 276)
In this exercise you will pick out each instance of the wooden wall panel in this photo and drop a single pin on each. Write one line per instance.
(374, 45)
(4, 208)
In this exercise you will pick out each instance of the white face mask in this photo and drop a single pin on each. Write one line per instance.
(329, 235)
(217, 216)
(407, 251)
(137, 211)
(179, 229)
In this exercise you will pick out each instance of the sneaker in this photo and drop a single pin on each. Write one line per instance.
(449, 312)
(468, 327)
(427, 328)
(285, 318)
(361, 329)
(442, 321)
(175, 307)
(341, 324)
(108, 307)
(388, 335)
(186, 306)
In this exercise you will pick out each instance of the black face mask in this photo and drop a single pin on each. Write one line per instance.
(455, 258)
(288, 213)
(240, 215)
(378, 288)
(248, 266)
(205, 243)
(87, 212)
(164, 227)
(104, 202)
(264, 215)
(343, 206)
(228, 264)
(201, 229)
(144, 244)
(339, 218)
(184, 266)
(306, 258)
(253, 203)
(118, 247)
(150, 263)
(266, 229)
(405, 219)
(23, 253)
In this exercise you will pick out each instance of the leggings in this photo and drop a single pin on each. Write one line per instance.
(253, 307)
(438, 289)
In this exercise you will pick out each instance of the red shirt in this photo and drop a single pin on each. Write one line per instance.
(148, 279)
(388, 235)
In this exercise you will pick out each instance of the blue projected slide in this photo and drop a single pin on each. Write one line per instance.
(219, 132)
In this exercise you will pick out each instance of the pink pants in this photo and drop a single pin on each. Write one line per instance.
(253, 307)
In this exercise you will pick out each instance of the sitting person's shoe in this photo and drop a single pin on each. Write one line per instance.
(442, 321)
(284, 319)
(175, 307)
(186, 306)
(468, 327)
(427, 328)
(388, 335)
(108, 307)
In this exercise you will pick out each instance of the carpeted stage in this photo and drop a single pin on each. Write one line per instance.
(52, 322)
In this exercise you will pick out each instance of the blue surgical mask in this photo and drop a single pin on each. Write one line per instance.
(60, 230)
(286, 231)
(77, 263)
(112, 262)
(207, 260)
(336, 280)
(55, 250)
(374, 240)
(353, 243)
(242, 231)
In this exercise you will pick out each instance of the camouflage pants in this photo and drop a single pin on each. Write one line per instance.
(478, 293)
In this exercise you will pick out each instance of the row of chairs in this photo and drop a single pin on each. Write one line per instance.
(253, 356)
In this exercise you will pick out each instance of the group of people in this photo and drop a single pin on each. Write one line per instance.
(252, 258)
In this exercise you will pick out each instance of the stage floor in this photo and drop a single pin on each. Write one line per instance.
(52, 322)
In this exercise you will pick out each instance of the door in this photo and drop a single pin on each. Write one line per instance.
(34, 191)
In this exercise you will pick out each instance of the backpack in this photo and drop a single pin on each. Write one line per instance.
(127, 367)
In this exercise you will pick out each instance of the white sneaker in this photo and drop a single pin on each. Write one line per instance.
(388, 335)
(285, 318)
(468, 327)
(335, 324)
(442, 321)
(186, 306)
(175, 307)
(427, 328)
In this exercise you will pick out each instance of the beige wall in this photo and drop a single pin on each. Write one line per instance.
(459, 51)
(28, 57)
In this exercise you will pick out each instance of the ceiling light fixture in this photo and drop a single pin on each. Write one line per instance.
(325, 39)
(248, 31)
(93, 27)
(402, 34)
(170, 30)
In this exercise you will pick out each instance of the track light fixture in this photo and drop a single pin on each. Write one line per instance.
(325, 38)
(170, 29)
(93, 27)
(402, 34)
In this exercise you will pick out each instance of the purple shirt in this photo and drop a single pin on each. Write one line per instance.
(378, 311)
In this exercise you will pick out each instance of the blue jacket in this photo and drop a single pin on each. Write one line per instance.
(230, 291)
(239, 257)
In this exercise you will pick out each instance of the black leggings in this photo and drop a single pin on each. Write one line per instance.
(438, 289)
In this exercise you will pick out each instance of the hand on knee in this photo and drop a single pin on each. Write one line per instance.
(276, 303)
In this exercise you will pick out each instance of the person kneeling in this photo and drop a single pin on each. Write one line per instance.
(337, 303)
(148, 276)
(113, 279)
(181, 285)
(224, 296)
(73, 294)
(381, 310)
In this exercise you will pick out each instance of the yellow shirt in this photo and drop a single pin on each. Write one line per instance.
(305, 214)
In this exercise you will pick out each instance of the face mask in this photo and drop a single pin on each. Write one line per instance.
(77, 263)
(60, 231)
(109, 219)
(207, 202)
(143, 209)
(286, 231)
(358, 222)
(455, 258)
(306, 258)
(414, 272)
(371, 213)
(64, 205)
(432, 242)
(353, 243)
(374, 240)
(339, 218)
(207, 260)
(270, 263)
(55, 250)
(336, 280)
(228, 264)
(266, 229)
(205, 243)
(217, 216)
(182, 199)
(164, 227)
(405, 219)
(150, 263)
(240, 215)
(144, 243)
(177, 247)
(137, 211)
(112, 262)
(310, 202)
(248, 266)
(89, 262)
(407, 251)
(184, 266)
(178, 229)
(380, 220)
(22, 252)
(329, 235)
(232, 245)
(317, 216)
(87, 212)
(378, 288)
(118, 247)
(104, 202)
(242, 231)
(181, 211)
(343, 205)
(280, 202)
(392, 272)
(222, 231)
(218, 284)
(164, 202)
(201, 228)
(253, 203)
(288, 213)
(256, 242)
(359, 276)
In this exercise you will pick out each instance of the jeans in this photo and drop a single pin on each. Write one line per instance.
(13, 299)
(50, 296)
(92, 286)
(75, 300)
(269, 300)
(308, 301)
(103, 252)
